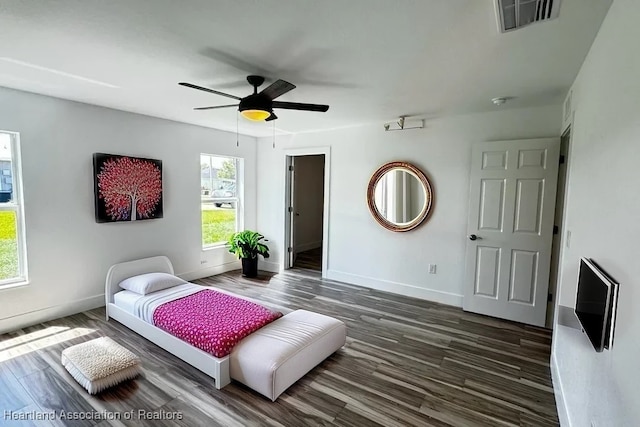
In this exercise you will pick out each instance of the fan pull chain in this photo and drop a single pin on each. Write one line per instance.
(237, 131)
(274, 134)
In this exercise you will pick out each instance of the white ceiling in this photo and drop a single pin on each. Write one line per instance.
(370, 60)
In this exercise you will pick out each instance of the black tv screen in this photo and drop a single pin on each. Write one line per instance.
(594, 303)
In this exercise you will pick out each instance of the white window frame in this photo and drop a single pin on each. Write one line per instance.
(238, 199)
(16, 205)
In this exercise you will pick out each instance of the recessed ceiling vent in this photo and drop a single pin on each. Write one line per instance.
(514, 14)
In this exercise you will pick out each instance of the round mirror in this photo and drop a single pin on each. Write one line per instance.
(399, 196)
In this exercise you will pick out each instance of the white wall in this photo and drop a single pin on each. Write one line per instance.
(602, 214)
(309, 202)
(360, 250)
(68, 252)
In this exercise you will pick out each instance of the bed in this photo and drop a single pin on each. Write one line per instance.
(215, 367)
(264, 350)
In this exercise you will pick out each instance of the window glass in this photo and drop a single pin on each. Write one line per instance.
(6, 172)
(220, 201)
(12, 251)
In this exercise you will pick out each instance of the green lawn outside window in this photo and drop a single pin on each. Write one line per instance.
(8, 245)
(218, 225)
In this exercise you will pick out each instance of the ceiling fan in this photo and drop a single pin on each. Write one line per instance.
(259, 106)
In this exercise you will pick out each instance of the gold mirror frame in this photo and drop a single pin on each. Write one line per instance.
(371, 196)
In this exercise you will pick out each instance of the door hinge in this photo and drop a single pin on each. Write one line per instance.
(289, 249)
(290, 168)
(290, 209)
(562, 159)
(550, 298)
(555, 229)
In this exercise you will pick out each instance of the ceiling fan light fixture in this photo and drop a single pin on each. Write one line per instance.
(255, 115)
(258, 107)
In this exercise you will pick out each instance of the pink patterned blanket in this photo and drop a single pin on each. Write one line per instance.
(212, 321)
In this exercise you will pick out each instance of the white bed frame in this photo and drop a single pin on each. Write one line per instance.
(215, 367)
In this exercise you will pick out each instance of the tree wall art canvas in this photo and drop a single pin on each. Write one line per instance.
(127, 188)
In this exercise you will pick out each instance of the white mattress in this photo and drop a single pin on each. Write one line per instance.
(143, 306)
(126, 300)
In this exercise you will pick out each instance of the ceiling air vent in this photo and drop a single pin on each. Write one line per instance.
(514, 14)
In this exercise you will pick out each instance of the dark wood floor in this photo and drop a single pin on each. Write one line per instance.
(310, 260)
(406, 362)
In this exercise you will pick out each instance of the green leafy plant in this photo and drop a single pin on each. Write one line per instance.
(246, 244)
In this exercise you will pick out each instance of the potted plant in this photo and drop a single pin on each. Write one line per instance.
(246, 245)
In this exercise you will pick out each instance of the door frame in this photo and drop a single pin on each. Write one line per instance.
(557, 252)
(565, 234)
(311, 151)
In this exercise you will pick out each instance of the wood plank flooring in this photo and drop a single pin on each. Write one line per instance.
(406, 362)
(311, 260)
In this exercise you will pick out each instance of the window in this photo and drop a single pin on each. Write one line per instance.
(13, 260)
(220, 197)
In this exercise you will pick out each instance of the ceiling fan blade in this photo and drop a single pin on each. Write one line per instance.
(192, 86)
(277, 88)
(300, 106)
(271, 117)
(216, 106)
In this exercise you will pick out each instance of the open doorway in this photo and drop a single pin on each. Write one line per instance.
(306, 208)
(558, 229)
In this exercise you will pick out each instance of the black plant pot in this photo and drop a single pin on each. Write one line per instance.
(250, 267)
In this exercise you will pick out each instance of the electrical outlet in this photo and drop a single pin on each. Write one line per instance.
(432, 269)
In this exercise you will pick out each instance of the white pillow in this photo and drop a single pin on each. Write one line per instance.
(150, 282)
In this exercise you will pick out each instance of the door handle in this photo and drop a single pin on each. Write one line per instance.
(474, 237)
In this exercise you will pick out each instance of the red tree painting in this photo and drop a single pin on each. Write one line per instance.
(127, 188)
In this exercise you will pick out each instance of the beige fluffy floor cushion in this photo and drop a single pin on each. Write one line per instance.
(99, 364)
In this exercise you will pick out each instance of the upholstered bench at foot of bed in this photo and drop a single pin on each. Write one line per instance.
(280, 353)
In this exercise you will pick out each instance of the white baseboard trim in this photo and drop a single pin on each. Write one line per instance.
(270, 266)
(397, 288)
(307, 246)
(563, 414)
(210, 271)
(20, 321)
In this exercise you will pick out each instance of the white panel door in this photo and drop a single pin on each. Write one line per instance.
(510, 230)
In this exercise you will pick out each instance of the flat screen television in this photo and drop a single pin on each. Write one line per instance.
(595, 304)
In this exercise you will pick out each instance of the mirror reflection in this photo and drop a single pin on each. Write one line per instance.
(399, 196)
